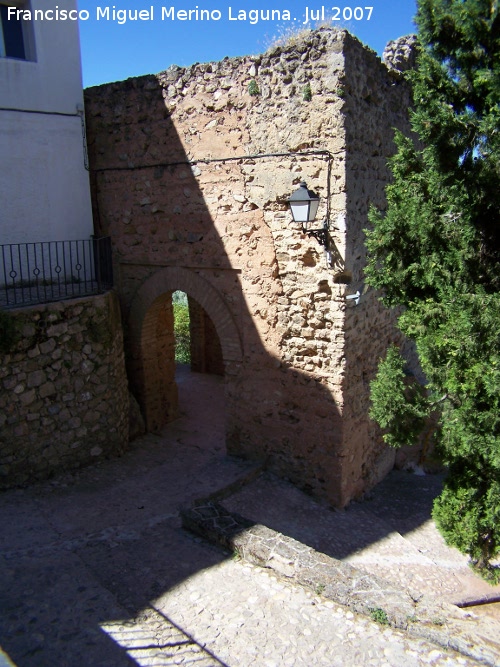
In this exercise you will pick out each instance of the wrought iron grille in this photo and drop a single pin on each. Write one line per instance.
(33, 273)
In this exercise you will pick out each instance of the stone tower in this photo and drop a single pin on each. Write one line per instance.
(191, 171)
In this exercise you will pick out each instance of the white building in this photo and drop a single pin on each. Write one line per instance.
(44, 183)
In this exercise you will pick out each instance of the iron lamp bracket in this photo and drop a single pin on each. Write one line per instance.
(321, 235)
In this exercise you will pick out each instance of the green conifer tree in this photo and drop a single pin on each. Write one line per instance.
(435, 252)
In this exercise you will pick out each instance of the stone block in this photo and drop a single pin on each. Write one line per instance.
(48, 346)
(57, 329)
(10, 382)
(36, 378)
(28, 397)
(46, 389)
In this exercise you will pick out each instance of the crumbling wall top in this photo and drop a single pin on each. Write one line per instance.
(400, 55)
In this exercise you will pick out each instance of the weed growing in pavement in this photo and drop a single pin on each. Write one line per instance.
(379, 616)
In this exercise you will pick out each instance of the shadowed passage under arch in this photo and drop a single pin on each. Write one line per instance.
(152, 344)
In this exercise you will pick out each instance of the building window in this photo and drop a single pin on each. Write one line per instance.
(15, 34)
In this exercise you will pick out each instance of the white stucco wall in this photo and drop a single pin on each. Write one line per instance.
(44, 186)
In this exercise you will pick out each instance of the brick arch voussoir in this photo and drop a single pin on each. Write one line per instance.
(171, 279)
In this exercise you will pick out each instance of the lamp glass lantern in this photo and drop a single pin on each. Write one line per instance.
(304, 205)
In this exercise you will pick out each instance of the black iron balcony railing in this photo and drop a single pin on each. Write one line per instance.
(32, 273)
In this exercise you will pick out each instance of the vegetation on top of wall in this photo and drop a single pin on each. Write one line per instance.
(294, 35)
(307, 93)
(253, 88)
(290, 36)
(435, 254)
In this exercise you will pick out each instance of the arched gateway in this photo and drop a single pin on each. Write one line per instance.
(151, 339)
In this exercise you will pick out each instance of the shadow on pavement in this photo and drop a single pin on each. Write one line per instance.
(98, 546)
(85, 556)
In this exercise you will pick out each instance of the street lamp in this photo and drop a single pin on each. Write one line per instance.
(304, 206)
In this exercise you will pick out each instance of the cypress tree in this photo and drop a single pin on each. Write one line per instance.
(435, 254)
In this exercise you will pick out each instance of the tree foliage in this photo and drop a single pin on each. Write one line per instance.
(398, 403)
(435, 252)
(181, 328)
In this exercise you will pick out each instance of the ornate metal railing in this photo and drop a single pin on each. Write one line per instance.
(33, 273)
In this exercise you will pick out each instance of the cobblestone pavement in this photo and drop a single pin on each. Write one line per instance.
(95, 570)
(259, 620)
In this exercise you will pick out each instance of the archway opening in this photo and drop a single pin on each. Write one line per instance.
(205, 347)
(199, 371)
(181, 328)
(215, 346)
(179, 341)
(197, 343)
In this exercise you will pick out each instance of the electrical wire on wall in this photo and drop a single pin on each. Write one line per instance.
(328, 155)
(78, 114)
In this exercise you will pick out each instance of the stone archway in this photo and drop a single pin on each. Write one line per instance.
(150, 339)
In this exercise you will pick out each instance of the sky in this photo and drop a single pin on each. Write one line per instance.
(114, 49)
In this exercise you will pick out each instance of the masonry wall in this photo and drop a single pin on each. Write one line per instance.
(376, 101)
(63, 388)
(205, 349)
(183, 205)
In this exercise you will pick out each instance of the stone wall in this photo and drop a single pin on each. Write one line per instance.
(373, 106)
(63, 389)
(186, 210)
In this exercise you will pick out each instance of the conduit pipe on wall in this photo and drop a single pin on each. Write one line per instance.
(328, 155)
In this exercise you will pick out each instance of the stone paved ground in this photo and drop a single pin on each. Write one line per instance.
(258, 620)
(95, 570)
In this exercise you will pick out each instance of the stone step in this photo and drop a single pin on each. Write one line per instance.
(420, 615)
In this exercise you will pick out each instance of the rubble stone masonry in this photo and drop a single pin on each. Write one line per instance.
(181, 184)
(63, 388)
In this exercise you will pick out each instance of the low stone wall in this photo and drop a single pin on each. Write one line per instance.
(419, 615)
(63, 389)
